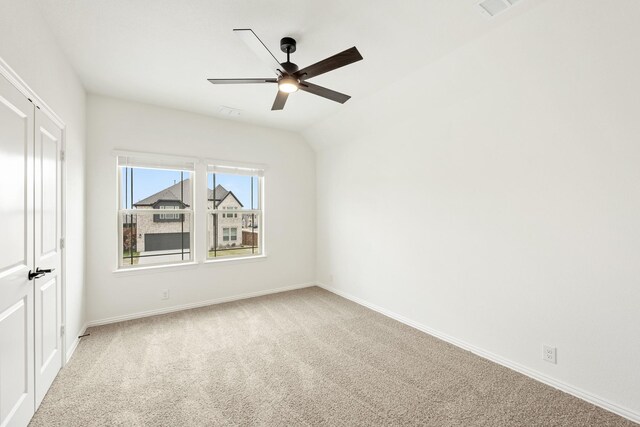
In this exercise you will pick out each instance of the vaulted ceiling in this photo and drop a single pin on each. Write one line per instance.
(162, 51)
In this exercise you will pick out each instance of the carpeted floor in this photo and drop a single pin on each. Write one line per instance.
(305, 357)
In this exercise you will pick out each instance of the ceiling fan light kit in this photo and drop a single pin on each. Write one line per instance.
(289, 77)
(288, 84)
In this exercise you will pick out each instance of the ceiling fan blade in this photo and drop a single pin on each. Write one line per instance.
(281, 99)
(259, 48)
(324, 92)
(241, 81)
(341, 59)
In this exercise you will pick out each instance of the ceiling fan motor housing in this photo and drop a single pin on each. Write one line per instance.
(287, 45)
(290, 67)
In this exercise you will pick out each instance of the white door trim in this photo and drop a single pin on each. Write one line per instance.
(23, 87)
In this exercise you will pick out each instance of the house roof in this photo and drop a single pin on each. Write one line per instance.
(170, 193)
(173, 192)
(221, 193)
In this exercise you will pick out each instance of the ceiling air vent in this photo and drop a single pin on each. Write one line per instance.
(494, 7)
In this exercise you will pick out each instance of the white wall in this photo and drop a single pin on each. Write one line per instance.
(27, 46)
(518, 160)
(289, 207)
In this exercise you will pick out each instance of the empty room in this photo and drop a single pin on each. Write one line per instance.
(329, 213)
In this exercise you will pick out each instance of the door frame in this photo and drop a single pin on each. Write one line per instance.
(15, 80)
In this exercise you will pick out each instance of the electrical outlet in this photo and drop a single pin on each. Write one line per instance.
(549, 354)
(164, 294)
(330, 279)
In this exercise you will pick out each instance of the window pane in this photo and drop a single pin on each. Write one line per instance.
(147, 242)
(244, 191)
(155, 189)
(233, 236)
(155, 238)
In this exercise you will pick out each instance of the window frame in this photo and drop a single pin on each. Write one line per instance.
(196, 215)
(186, 214)
(228, 168)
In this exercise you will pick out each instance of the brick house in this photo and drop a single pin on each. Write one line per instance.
(228, 226)
(170, 230)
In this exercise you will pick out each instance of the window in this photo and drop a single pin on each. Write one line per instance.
(148, 185)
(229, 234)
(228, 215)
(237, 234)
(168, 217)
(156, 216)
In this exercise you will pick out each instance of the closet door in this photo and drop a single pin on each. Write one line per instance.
(48, 228)
(16, 257)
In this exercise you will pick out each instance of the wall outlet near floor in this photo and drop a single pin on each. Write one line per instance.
(330, 280)
(549, 354)
(164, 294)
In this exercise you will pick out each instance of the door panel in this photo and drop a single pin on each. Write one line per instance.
(49, 149)
(16, 123)
(16, 257)
(48, 295)
(14, 331)
(48, 226)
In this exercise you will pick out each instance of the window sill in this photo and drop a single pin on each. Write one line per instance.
(152, 268)
(256, 258)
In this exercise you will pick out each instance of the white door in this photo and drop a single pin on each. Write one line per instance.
(16, 257)
(48, 224)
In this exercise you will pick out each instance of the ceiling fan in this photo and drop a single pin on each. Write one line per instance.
(288, 77)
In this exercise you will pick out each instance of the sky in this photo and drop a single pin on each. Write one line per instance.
(149, 181)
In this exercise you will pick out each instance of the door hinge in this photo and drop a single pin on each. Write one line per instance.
(62, 155)
(61, 330)
(62, 243)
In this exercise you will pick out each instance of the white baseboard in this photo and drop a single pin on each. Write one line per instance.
(73, 347)
(562, 386)
(181, 307)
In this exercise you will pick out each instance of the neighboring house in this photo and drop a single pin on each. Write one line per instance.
(165, 231)
(226, 230)
(170, 230)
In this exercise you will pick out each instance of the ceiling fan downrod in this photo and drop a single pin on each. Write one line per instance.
(288, 46)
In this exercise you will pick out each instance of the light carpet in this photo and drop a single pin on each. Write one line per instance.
(305, 357)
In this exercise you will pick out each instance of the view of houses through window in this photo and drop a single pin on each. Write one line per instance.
(156, 215)
(150, 237)
(235, 233)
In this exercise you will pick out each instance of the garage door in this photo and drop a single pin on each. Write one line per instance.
(166, 241)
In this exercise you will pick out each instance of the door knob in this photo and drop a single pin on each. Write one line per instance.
(39, 273)
(35, 275)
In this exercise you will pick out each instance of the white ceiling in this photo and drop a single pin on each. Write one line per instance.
(162, 51)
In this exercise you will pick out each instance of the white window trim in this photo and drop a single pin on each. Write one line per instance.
(222, 211)
(236, 259)
(157, 161)
(229, 164)
(120, 267)
(145, 268)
